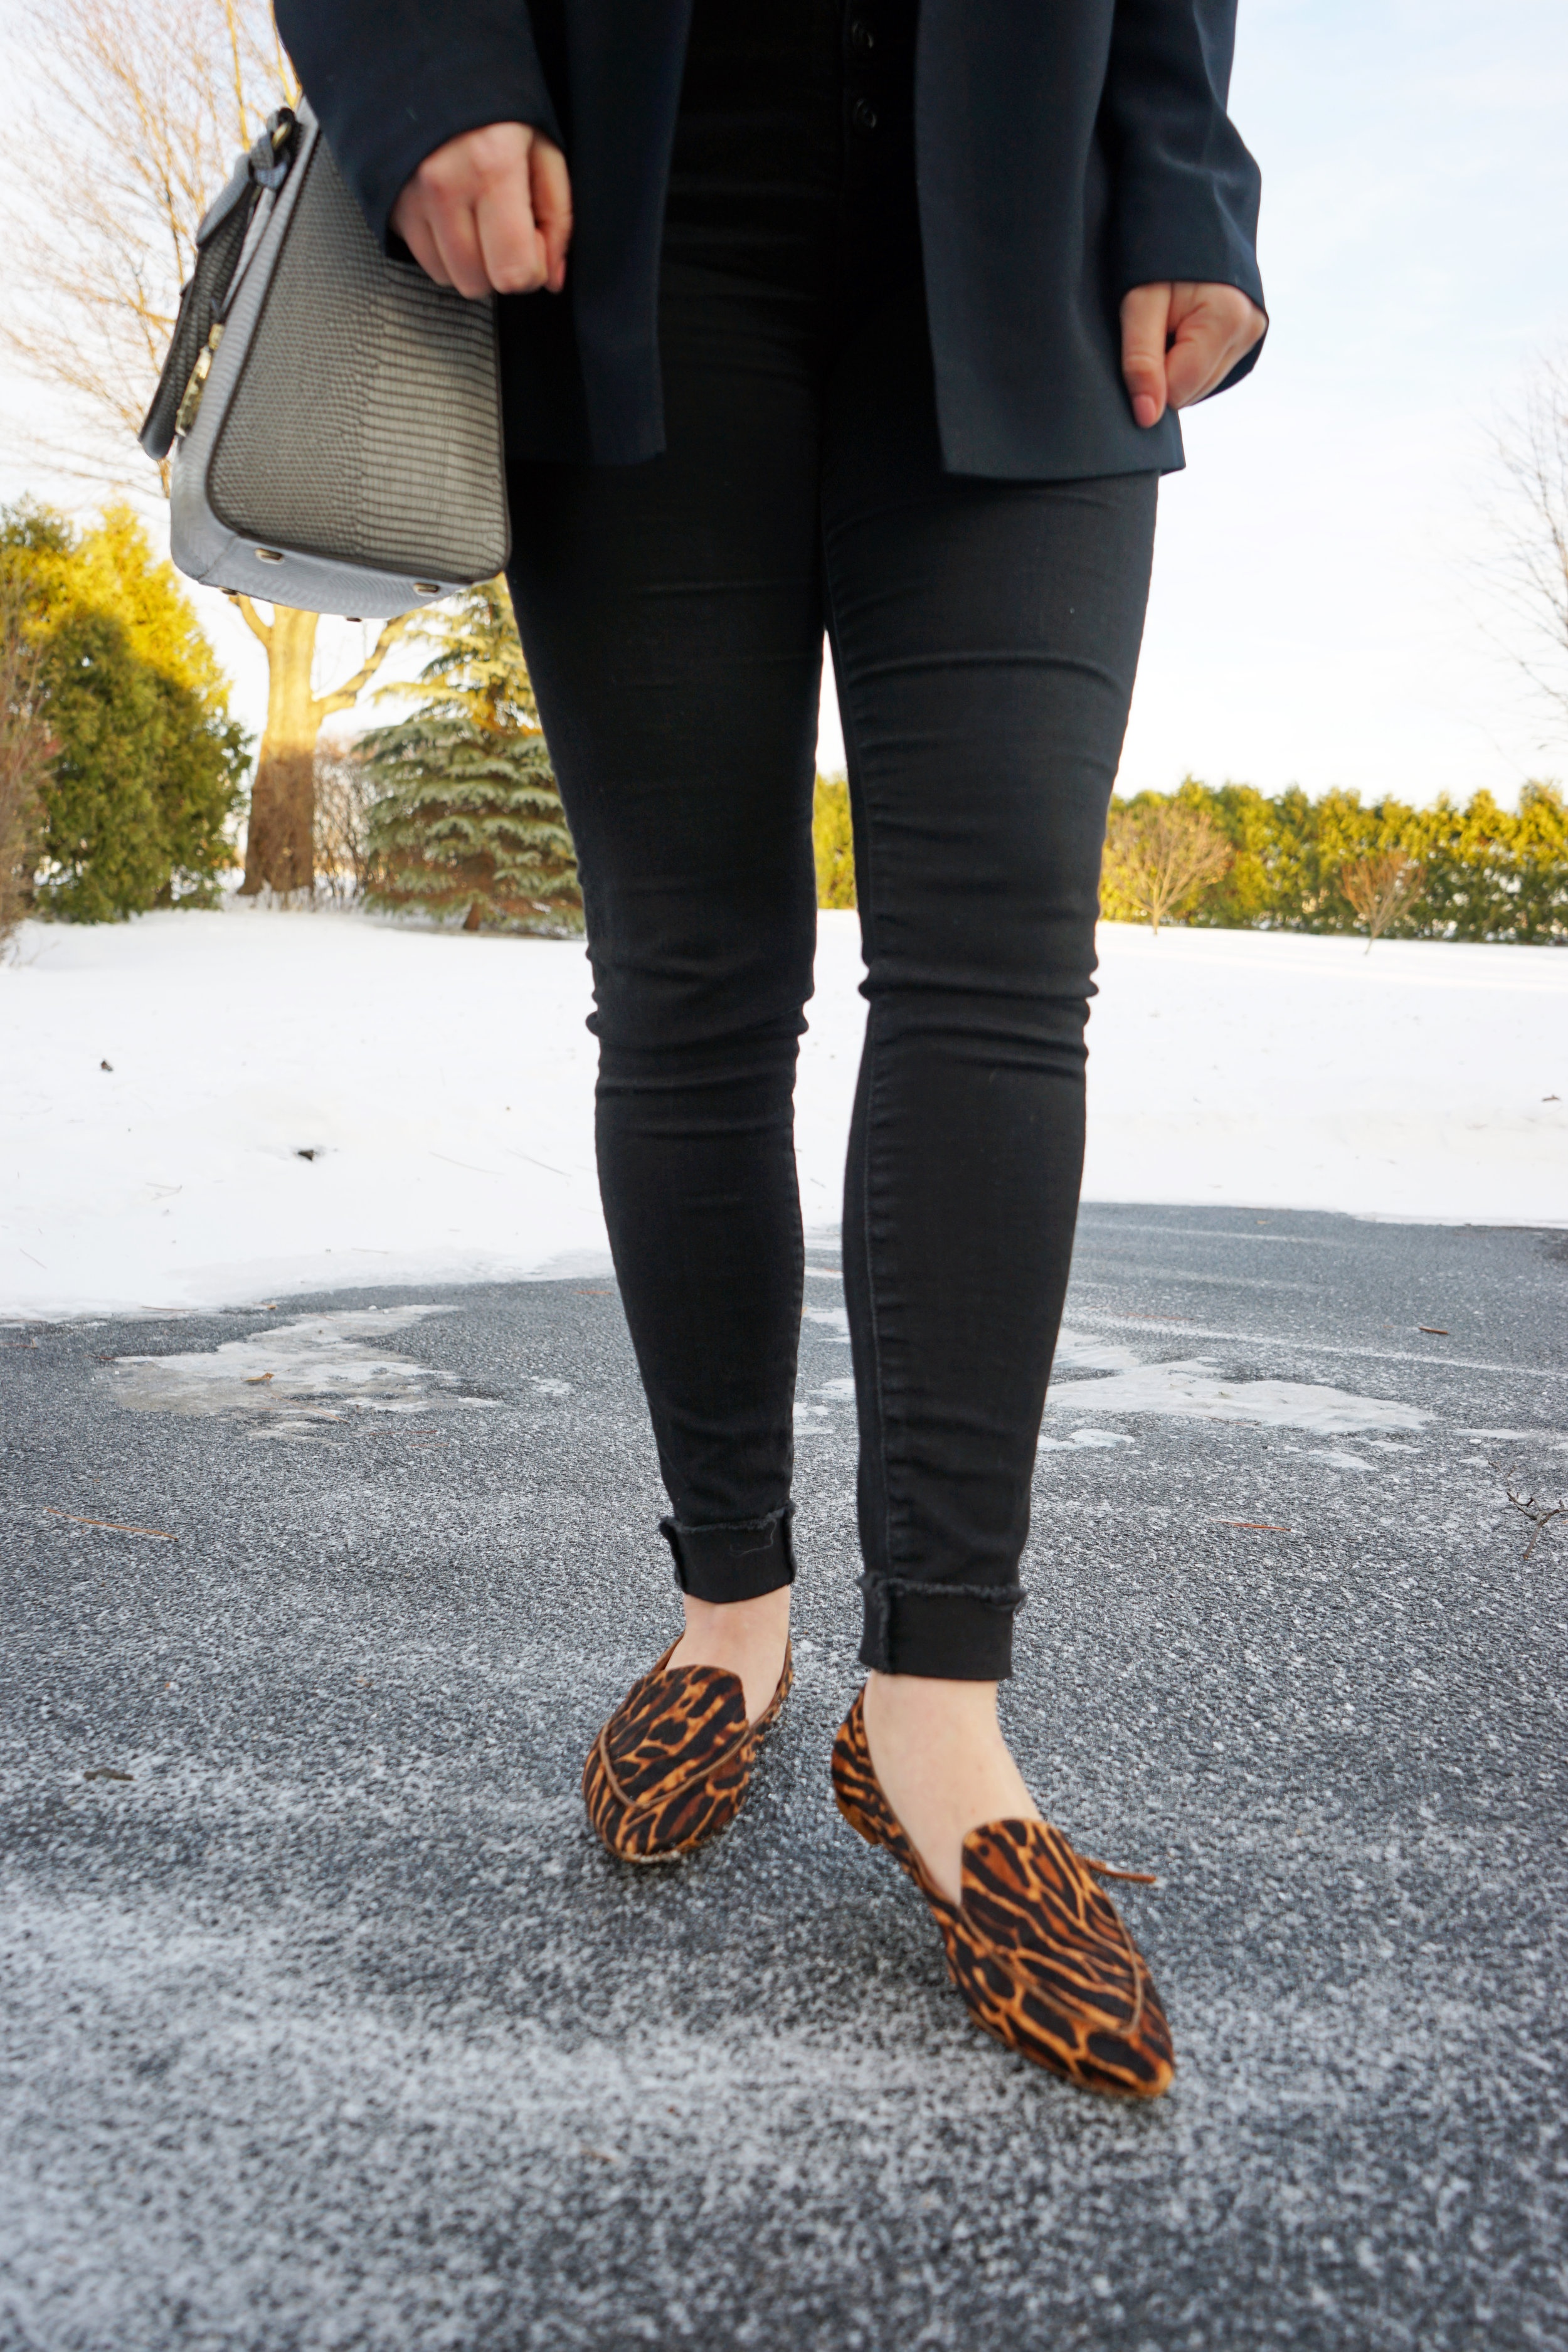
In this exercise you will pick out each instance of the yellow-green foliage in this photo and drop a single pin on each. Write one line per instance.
(1488, 874)
(148, 766)
(114, 571)
(833, 839)
(110, 569)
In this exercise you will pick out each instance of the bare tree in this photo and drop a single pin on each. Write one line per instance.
(1161, 858)
(1381, 886)
(1531, 451)
(139, 106)
(279, 850)
(27, 753)
(345, 790)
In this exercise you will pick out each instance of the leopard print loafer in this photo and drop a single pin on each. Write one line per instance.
(1038, 1951)
(672, 1768)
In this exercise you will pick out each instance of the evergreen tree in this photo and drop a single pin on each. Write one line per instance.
(26, 755)
(148, 766)
(467, 813)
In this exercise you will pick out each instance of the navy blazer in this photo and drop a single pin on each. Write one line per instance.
(1065, 151)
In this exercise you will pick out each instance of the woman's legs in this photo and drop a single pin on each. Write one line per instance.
(985, 637)
(672, 620)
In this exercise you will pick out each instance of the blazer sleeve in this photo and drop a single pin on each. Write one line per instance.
(391, 80)
(1186, 189)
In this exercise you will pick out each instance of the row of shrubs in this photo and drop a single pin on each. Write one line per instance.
(1286, 862)
(1229, 857)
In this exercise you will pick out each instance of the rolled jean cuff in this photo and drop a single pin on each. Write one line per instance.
(956, 1633)
(740, 1561)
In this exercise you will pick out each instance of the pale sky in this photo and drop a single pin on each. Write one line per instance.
(1319, 597)
(1315, 609)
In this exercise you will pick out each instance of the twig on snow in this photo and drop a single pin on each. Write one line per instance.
(1540, 1515)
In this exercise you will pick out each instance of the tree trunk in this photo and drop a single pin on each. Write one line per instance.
(279, 851)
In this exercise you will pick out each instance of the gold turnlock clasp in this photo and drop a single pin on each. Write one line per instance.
(191, 399)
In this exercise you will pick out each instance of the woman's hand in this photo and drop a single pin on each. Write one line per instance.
(1179, 342)
(492, 208)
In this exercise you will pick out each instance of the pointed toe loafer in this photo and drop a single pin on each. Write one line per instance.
(1036, 1946)
(672, 1767)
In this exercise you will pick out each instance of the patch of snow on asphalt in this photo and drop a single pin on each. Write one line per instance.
(1196, 1391)
(1078, 1351)
(316, 1368)
(202, 1109)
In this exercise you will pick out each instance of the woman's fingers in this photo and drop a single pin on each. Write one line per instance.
(467, 215)
(1178, 341)
(551, 187)
(1145, 324)
(1213, 327)
(457, 244)
(476, 188)
(411, 225)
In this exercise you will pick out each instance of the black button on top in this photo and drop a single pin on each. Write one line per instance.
(862, 39)
(865, 115)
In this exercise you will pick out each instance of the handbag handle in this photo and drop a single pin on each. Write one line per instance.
(203, 298)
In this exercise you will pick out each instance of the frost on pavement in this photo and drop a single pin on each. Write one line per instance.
(315, 1368)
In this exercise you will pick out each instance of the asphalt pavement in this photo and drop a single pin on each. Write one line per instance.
(325, 2022)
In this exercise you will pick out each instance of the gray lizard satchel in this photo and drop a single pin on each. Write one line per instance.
(335, 416)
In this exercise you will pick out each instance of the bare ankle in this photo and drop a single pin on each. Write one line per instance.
(765, 1617)
(938, 1750)
(741, 1637)
(917, 1704)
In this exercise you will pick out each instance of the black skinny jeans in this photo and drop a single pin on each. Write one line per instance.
(985, 635)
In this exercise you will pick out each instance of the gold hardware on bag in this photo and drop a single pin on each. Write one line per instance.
(191, 399)
(270, 556)
(428, 587)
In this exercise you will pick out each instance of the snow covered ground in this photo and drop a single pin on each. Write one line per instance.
(202, 1110)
